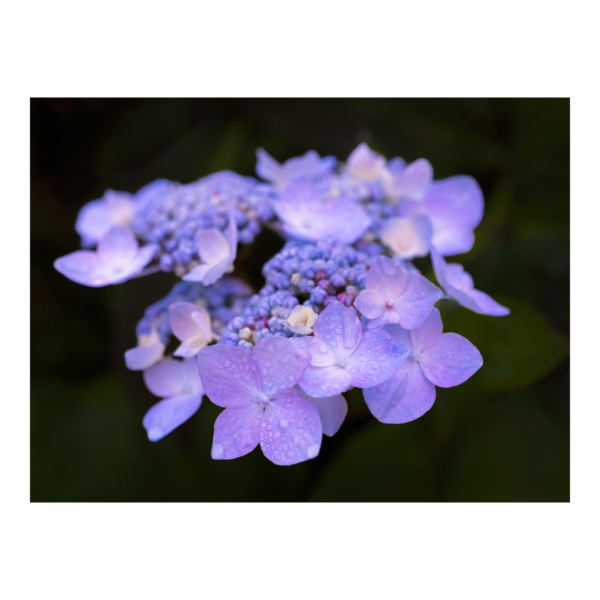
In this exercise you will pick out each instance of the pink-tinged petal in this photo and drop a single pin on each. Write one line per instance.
(143, 357)
(408, 237)
(386, 277)
(456, 276)
(342, 220)
(370, 303)
(82, 266)
(281, 364)
(487, 305)
(118, 246)
(268, 168)
(191, 377)
(237, 431)
(167, 378)
(213, 246)
(428, 334)
(321, 382)
(332, 410)
(168, 414)
(414, 180)
(339, 328)
(197, 273)
(451, 361)
(455, 208)
(291, 431)
(217, 271)
(417, 301)
(365, 164)
(229, 375)
(93, 221)
(378, 356)
(401, 335)
(183, 325)
(120, 207)
(321, 354)
(406, 396)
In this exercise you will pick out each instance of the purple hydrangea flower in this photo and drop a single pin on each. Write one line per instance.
(191, 325)
(392, 296)
(149, 350)
(435, 358)
(455, 207)
(308, 166)
(117, 259)
(260, 403)
(409, 183)
(217, 253)
(365, 164)
(458, 284)
(332, 410)
(344, 356)
(407, 237)
(307, 215)
(179, 384)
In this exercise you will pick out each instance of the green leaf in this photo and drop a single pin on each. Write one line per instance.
(515, 453)
(382, 463)
(517, 350)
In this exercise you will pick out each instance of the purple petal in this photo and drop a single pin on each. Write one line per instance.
(321, 382)
(416, 302)
(197, 273)
(191, 325)
(291, 431)
(231, 233)
(143, 357)
(378, 356)
(407, 237)
(268, 168)
(451, 361)
(281, 364)
(339, 328)
(217, 271)
(168, 414)
(487, 305)
(82, 266)
(93, 221)
(404, 397)
(401, 335)
(332, 410)
(229, 375)
(237, 431)
(387, 278)
(370, 303)
(428, 334)
(414, 179)
(321, 354)
(455, 208)
(309, 166)
(118, 246)
(171, 377)
(365, 164)
(213, 246)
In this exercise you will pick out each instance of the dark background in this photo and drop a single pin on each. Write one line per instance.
(502, 436)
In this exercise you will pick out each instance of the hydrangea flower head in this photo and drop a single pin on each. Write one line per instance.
(365, 164)
(458, 284)
(261, 404)
(344, 356)
(307, 215)
(392, 296)
(191, 325)
(117, 259)
(435, 358)
(309, 166)
(217, 254)
(179, 384)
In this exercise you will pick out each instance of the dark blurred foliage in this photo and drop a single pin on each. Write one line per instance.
(502, 436)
